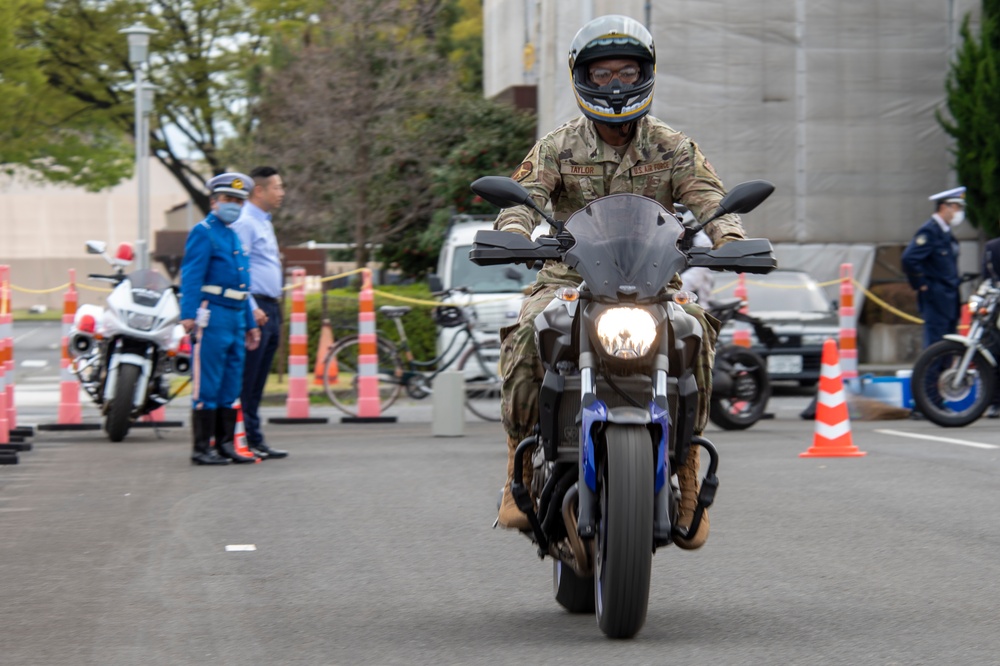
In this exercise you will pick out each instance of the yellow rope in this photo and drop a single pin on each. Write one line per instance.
(880, 302)
(25, 290)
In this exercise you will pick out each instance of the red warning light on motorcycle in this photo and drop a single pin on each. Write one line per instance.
(125, 252)
(87, 324)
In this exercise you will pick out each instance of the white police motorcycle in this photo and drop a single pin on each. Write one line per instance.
(123, 352)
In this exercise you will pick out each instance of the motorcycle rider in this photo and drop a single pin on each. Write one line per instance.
(615, 146)
(215, 306)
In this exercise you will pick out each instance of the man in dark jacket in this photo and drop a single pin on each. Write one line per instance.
(930, 262)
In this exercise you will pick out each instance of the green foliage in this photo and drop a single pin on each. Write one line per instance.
(973, 99)
(66, 95)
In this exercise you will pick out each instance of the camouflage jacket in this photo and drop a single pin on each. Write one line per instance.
(571, 166)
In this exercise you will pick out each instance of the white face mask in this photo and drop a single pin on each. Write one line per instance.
(957, 218)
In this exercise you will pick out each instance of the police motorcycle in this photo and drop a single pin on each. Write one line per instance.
(955, 379)
(618, 400)
(741, 387)
(123, 352)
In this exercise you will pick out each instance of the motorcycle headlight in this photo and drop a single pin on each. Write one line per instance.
(139, 321)
(626, 332)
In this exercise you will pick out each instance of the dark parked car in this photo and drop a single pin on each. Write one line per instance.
(798, 310)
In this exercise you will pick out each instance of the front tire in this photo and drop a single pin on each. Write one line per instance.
(942, 399)
(625, 532)
(751, 390)
(119, 418)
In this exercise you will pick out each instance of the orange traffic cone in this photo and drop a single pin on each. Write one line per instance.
(240, 437)
(832, 437)
(325, 342)
(966, 320)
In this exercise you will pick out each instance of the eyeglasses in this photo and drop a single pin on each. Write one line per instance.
(627, 75)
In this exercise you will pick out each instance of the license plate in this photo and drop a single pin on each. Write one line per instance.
(784, 365)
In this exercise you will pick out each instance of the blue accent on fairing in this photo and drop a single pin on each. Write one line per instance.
(661, 417)
(596, 412)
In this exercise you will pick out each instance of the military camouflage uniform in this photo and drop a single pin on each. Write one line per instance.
(570, 167)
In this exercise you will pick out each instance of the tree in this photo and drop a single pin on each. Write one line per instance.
(973, 101)
(73, 104)
(361, 119)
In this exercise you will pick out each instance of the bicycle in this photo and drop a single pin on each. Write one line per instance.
(397, 369)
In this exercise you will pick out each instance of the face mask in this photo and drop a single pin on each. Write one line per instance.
(957, 218)
(228, 212)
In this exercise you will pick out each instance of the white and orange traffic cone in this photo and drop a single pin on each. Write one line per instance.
(240, 435)
(832, 436)
(741, 334)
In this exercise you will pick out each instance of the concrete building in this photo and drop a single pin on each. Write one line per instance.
(834, 102)
(44, 229)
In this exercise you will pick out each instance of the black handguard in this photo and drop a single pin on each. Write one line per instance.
(753, 255)
(490, 248)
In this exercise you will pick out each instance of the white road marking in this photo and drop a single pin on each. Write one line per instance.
(35, 363)
(946, 440)
(27, 335)
(240, 547)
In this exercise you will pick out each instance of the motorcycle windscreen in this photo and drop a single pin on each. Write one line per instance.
(625, 244)
(147, 286)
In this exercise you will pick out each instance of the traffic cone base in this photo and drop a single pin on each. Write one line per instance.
(832, 435)
(240, 436)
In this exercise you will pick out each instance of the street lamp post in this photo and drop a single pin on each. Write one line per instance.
(138, 52)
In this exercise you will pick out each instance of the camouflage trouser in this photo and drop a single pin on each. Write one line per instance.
(522, 371)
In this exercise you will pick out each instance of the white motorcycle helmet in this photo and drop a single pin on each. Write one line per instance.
(613, 36)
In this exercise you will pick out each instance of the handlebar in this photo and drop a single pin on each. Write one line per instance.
(107, 278)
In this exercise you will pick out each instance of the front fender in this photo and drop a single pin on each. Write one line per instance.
(966, 342)
(145, 367)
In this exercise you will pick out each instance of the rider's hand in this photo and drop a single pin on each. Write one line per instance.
(253, 339)
(260, 317)
(188, 325)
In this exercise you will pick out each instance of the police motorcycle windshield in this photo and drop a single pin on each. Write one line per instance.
(626, 245)
(147, 286)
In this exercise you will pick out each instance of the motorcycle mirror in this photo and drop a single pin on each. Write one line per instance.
(96, 247)
(506, 193)
(742, 199)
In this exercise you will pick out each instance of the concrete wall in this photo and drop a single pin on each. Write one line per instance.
(44, 228)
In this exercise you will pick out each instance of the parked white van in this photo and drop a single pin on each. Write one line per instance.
(496, 291)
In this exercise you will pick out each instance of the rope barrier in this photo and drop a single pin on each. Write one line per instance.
(25, 290)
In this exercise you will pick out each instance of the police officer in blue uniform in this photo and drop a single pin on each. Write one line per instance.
(215, 309)
(930, 262)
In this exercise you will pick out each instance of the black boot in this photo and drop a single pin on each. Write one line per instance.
(225, 433)
(202, 429)
(264, 451)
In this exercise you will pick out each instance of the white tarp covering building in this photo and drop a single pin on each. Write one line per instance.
(834, 101)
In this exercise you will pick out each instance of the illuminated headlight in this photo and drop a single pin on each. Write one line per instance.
(139, 321)
(626, 332)
(975, 301)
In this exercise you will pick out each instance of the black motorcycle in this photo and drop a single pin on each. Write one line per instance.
(740, 384)
(618, 399)
(955, 380)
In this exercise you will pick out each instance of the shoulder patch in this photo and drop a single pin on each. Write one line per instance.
(523, 171)
(921, 239)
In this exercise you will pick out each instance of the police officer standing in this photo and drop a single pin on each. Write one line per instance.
(930, 262)
(215, 309)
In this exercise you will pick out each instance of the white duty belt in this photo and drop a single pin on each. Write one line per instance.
(234, 294)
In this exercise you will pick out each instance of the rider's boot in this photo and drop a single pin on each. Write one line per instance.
(510, 516)
(687, 476)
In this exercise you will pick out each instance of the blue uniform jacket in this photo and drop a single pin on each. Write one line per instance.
(215, 256)
(931, 259)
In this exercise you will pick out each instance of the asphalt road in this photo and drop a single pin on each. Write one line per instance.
(373, 545)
